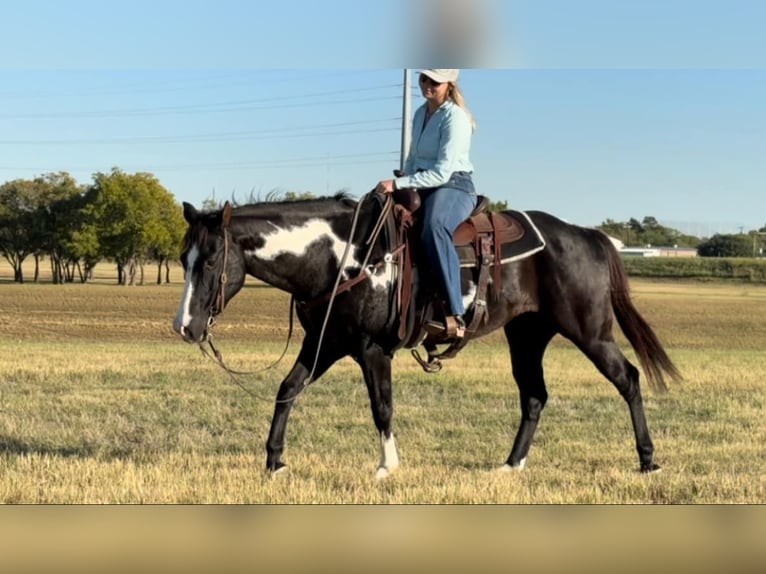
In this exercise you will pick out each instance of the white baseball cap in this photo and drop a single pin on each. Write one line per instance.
(441, 75)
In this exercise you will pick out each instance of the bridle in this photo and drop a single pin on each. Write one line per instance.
(339, 287)
(219, 304)
(219, 300)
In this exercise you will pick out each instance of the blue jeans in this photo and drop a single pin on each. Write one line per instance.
(444, 209)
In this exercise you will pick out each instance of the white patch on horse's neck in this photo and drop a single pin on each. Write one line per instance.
(297, 240)
(183, 315)
(384, 277)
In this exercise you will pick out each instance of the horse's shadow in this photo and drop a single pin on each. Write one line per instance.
(12, 445)
(18, 446)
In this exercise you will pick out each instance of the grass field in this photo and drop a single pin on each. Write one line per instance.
(100, 402)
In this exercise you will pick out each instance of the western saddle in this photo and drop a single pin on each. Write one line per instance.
(478, 240)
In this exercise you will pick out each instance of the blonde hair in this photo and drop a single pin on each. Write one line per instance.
(456, 95)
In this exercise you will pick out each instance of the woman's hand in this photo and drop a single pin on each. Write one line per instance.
(385, 186)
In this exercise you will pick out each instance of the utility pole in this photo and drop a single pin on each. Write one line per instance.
(406, 119)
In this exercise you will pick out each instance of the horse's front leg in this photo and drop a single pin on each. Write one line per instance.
(288, 392)
(376, 368)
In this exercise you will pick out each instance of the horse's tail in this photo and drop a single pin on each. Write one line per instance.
(651, 354)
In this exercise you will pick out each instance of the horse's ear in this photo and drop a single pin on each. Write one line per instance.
(226, 214)
(190, 213)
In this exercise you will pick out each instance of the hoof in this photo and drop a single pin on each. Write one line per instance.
(279, 468)
(518, 467)
(650, 468)
(382, 473)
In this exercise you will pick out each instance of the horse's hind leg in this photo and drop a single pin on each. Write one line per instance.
(528, 337)
(376, 368)
(613, 364)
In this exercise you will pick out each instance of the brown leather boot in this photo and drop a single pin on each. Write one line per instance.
(453, 327)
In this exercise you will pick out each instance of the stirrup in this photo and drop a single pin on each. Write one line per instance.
(453, 327)
(433, 365)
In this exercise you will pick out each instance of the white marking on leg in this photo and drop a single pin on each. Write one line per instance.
(508, 468)
(389, 457)
(183, 315)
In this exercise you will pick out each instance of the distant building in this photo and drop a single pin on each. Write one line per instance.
(650, 251)
(678, 251)
(639, 252)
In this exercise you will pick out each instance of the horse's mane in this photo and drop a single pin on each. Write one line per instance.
(258, 208)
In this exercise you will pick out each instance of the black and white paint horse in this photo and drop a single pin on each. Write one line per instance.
(574, 287)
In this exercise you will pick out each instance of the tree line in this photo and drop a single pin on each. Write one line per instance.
(649, 232)
(132, 220)
(129, 219)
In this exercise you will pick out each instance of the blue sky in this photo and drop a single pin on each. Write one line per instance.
(590, 109)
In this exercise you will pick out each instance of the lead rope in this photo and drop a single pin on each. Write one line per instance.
(334, 292)
(217, 358)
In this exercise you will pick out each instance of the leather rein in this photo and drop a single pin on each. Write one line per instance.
(338, 288)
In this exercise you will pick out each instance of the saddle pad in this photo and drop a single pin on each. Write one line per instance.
(528, 241)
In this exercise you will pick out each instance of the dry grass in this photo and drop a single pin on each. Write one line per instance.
(101, 403)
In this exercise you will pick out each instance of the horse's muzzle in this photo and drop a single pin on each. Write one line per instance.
(188, 336)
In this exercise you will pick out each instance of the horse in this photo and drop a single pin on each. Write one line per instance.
(575, 287)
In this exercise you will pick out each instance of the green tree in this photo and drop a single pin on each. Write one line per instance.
(18, 204)
(164, 231)
(210, 204)
(56, 218)
(500, 205)
(646, 232)
(722, 245)
(80, 246)
(132, 220)
(616, 229)
(298, 195)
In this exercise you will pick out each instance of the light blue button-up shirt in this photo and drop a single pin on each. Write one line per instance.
(439, 149)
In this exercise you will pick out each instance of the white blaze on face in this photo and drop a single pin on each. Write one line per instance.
(183, 316)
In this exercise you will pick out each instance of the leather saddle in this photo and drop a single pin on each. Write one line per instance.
(481, 242)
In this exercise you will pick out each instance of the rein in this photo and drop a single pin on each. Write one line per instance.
(217, 358)
(338, 288)
(366, 271)
(349, 283)
(216, 309)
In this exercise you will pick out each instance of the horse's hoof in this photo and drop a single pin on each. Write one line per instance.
(279, 468)
(382, 473)
(518, 467)
(650, 468)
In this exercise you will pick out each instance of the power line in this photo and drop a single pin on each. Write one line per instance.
(277, 133)
(313, 161)
(216, 107)
(177, 85)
